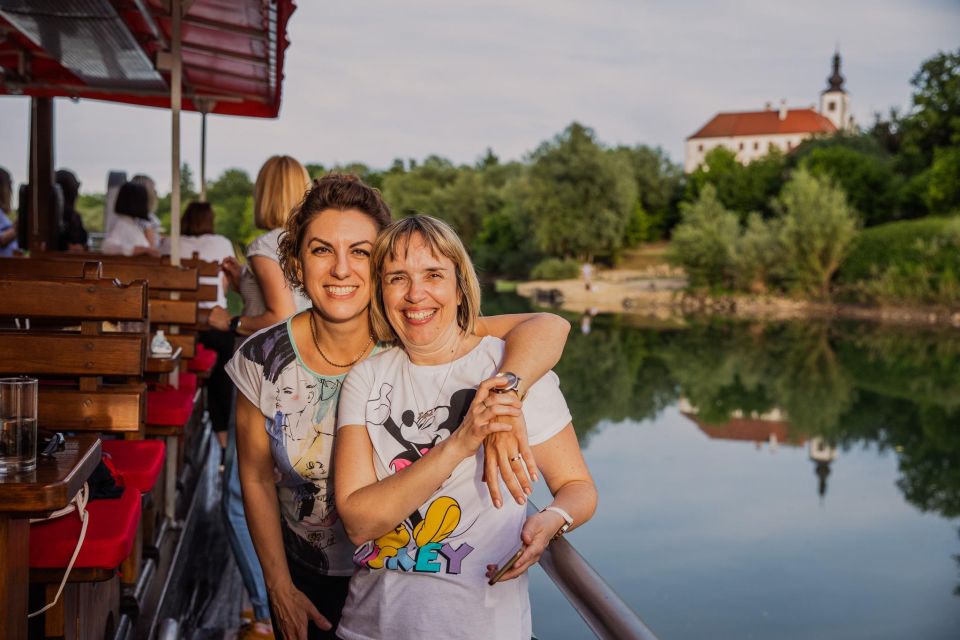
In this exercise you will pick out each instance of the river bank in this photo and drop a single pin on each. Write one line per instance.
(663, 295)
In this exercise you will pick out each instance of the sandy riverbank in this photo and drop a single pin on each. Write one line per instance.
(662, 296)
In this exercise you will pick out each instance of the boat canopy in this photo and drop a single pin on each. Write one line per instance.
(232, 52)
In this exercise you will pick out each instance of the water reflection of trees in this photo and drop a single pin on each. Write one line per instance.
(612, 373)
(896, 388)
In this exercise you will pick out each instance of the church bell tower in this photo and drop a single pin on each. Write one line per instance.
(834, 101)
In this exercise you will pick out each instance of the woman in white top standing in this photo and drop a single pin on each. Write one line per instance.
(409, 463)
(126, 237)
(267, 299)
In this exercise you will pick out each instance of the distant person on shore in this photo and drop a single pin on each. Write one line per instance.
(127, 237)
(8, 230)
(586, 270)
(73, 237)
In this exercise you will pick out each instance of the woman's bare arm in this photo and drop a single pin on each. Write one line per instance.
(277, 298)
(573, 489)
(292, 608)
(534, 344)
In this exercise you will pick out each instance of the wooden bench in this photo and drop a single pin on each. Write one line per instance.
(91, 380)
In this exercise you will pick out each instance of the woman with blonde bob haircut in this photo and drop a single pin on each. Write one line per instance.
(279, 188)
(409, 461)
(442, 241)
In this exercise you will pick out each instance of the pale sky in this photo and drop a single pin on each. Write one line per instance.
(371, 81)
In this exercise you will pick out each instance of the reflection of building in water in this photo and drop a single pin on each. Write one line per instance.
(822, 454)
(771, 428)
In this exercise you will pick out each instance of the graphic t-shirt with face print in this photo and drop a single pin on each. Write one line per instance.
(426, 578)
(299, 415)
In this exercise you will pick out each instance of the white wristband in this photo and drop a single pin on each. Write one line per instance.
(567, 520)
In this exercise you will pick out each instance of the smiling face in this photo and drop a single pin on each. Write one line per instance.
(335, 263)
(420, 297)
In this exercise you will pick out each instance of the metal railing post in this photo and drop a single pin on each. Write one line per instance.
(605, 612)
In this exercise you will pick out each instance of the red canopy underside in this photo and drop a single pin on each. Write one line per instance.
(232, 52)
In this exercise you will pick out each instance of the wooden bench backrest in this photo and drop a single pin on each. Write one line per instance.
(77, 399)
(166, 309)
(162, 277)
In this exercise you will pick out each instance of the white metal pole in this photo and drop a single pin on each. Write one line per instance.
(175, 98)
(203, 156)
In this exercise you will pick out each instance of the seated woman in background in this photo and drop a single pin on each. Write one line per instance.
(126, 237)
(197, 229)
(151, 224)
(73, 237)
(8, 231)
(409, 463)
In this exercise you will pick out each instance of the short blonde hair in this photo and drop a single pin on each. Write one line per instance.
(281, 184)
(442, 241)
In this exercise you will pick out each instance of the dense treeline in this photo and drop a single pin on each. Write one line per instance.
(784, 223)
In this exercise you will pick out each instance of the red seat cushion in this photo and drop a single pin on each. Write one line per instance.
(187, 381)
(110, 535)
(203, 360)
(169, 407)
(138, 461)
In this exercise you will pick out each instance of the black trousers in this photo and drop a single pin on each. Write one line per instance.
(327, 593)
(219, 386)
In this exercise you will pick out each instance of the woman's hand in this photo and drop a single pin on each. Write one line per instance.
(484, 417)
(219, 318)
(536, 534)
(232, 269)
(508, 455)
(294, 611)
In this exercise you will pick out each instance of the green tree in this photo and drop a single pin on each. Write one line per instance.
(759, 255)
(705, 241)
(417, 190)
(867, 179)
(818, 226)
(935, 119)
(658, 181)
(582, 198)
(943, 181)
(740, 188)
(231, 196)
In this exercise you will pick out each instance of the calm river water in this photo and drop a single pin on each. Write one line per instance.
(767, 481)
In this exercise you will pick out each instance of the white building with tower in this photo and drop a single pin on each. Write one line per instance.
(754, 134)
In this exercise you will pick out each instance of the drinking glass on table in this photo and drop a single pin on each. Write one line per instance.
(18, 424)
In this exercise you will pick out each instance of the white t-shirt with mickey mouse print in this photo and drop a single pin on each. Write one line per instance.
(427, 577)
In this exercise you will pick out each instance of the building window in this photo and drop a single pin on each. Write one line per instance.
(831, 106)
(756, 145)
(741, 146)
(699, 147)
(789, 144)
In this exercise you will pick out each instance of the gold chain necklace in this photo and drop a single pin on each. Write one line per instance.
(316, 343)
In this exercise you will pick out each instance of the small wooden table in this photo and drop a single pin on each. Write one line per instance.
(35, 494)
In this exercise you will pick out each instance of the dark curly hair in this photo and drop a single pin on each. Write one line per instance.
(339, 191)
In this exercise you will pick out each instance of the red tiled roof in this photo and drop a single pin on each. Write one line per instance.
(755, 123)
